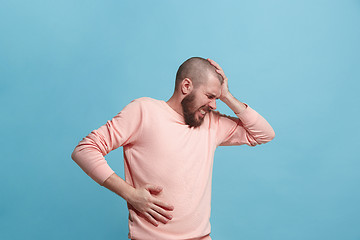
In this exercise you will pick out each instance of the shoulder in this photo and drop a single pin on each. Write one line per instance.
(144, 103)
(146, 100)
(216, 117)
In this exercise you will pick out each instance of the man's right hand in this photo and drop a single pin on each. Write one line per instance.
(144, 201)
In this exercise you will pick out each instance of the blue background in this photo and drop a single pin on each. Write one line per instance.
(66, 67)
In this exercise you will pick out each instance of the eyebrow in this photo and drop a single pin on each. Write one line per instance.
(212, 95)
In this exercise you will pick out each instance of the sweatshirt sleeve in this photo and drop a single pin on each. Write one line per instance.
(121, 130)
(248, 128)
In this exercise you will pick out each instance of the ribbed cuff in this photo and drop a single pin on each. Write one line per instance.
(101, 173)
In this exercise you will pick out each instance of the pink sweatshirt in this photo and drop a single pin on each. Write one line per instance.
(160, 149)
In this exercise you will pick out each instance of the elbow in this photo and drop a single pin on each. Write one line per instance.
(271, 135)
(74, 155)
(267, 138)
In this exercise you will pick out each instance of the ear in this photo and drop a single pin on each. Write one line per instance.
(186, 86)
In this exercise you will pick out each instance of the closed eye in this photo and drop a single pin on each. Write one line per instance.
(211, 96)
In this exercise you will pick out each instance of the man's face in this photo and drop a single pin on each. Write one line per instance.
(201, 101)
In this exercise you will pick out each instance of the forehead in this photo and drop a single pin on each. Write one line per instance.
(212, 86)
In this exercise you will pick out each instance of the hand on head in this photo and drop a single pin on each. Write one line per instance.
(224, 86)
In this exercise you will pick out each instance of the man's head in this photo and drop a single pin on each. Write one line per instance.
(197, 69)
(199, 85)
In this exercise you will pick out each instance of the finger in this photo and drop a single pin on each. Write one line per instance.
(215, 64)
(211, 61)
(221, 72)
(151, 219)
(158, 216)
(163, 205)
(153, 189)
(162, 211)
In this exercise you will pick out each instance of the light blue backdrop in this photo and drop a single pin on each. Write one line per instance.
(66, 67)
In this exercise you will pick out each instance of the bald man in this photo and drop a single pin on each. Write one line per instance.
(169, 150)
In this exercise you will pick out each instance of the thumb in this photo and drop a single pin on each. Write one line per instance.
(153, 189)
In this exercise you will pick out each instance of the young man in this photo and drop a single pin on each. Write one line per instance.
(169, 150)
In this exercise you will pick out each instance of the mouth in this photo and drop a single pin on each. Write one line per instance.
(204, 111)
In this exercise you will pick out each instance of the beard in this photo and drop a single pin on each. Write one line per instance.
(188, 104)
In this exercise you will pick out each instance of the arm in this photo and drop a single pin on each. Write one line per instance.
(89, 155)
(257, 129)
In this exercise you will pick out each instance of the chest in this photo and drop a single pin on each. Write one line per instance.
(172, 139)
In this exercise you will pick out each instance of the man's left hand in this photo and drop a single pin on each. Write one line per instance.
(224, 87)
(226, 96)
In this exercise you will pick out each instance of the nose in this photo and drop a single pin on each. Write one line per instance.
(212, 104)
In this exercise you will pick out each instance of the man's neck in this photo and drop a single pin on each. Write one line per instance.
(175, 103)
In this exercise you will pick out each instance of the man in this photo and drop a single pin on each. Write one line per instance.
(168, 152)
